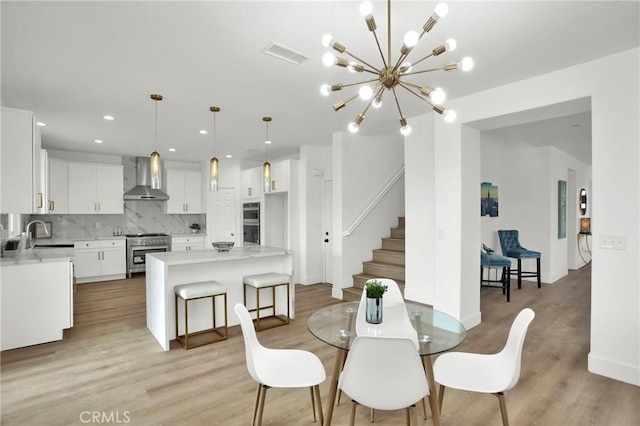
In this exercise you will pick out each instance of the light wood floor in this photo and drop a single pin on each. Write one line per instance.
(109, 363)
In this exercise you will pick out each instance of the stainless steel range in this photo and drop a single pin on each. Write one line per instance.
(138, 245)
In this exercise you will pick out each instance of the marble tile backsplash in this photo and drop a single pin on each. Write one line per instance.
(138, 217)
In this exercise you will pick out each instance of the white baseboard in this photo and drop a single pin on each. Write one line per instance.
(614, 369)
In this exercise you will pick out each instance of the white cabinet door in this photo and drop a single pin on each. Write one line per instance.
(82, 188)
(88, 262)
(280, 176)
(185, 191)
(114, 261)
(109, 189)
(19, 158)
(43, 183)
(179, 247)
(252, 183)
(58, 187)
(193, 192)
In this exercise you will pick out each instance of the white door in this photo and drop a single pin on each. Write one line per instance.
(328, 225)
(224, 215)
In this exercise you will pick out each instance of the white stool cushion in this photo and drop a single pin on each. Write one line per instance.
(266, 279)
(201, 289)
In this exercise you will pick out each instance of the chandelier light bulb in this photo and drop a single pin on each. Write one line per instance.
(365, 93)
(377, 102)
(326, 40)
(325, 89)
(329, 59)
(466, 64)
(450, 45)
(411, 39)
(406, 67)
(442, 9)
(351, 66)
(366, 9)
(438, 95)
(449, 116)
(405, 130)
(353, 127)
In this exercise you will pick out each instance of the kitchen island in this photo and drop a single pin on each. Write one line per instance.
(37, 296)
(166, 270)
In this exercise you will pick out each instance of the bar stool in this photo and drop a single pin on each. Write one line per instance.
(263, 281)
(200, 290)
(494, 261)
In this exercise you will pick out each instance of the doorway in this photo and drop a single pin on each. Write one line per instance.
(328, 226)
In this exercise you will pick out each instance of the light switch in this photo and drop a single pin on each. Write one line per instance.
(613, 242)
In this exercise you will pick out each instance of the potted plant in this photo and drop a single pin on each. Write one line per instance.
(374, 290)
(195, 228)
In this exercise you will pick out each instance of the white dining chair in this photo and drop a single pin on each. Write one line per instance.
(486, 373)
(384, 373)
(279, 368)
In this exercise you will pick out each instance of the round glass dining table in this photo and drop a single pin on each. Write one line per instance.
(437, 332)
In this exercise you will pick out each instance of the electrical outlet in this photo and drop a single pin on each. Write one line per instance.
(613, 242)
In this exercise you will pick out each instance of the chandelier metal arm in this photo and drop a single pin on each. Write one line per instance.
(424, 71)
(341, 86)
(437, 108)
(376, 70)
(410, 90)
(395, 96)
(384, 62)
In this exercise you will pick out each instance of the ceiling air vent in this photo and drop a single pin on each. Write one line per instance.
(281, 52)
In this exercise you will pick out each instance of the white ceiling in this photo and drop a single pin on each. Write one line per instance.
(73, 62)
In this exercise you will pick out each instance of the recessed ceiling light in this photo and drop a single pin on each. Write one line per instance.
(108, 117)
(172, 150)
(203, 132)
(229, 155)
(98, 140)
(40, 123)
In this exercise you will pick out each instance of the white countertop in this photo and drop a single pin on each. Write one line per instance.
(211, 255)
(36, 255)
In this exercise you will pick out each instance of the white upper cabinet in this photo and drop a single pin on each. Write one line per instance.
(280, 176)
(252, 183)
(184, 188)
(96, 188)
(58, 194)
(20, 161)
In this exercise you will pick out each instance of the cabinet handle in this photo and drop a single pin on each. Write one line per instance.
(98, 206)
(186, 207)
(273, 185)
(249, 192)
(51, 205)
(41, 200)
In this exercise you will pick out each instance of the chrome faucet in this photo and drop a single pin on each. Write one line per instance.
(26, 229)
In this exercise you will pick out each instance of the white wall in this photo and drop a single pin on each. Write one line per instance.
(362, 167)
(614, 87)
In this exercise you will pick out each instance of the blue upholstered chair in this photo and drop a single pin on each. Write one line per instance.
(495, 261)
(511, 248)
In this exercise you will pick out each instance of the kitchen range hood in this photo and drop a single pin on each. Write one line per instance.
(143, 190)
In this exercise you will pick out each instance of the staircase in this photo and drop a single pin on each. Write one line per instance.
(388, 262)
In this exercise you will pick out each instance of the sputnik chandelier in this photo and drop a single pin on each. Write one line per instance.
(392, 76)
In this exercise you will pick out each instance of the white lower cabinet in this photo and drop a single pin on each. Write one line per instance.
(187, 243)
(37, 302)
(100, 260)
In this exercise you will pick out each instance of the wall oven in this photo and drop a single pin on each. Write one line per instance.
(139, 245)
(251, 223)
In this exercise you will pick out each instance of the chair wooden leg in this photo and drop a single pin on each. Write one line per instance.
(313, 404)
(503, 408)
(372, 415)
(415, 414)
(263, 396)
(408, 415)
(339, 396)
(424, 407)
(441, 397)
(319, 402)
(256, 404)
(352, 422)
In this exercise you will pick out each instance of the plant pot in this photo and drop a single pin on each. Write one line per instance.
(373, 313)
(194, 231)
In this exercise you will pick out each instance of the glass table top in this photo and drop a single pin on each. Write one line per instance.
(437, 332)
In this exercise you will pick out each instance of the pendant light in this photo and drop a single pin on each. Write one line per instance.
(213, 168)
(156, 166)
(266, 167)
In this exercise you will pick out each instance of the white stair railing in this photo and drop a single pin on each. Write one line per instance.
(374, 202)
